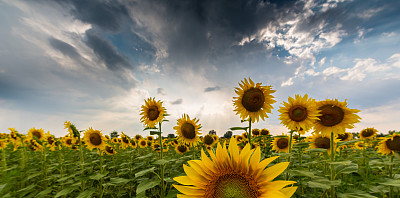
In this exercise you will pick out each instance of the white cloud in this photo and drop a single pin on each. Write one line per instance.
(322, 61)
(332, 71)
(394, 60)
(370, 13)
(287, 83)
(389, 34)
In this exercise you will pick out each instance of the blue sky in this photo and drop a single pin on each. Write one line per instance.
(94, 62)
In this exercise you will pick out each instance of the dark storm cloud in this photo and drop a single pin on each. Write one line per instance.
(64, 48)
(177, 101)
(106, 51)
(209, 89)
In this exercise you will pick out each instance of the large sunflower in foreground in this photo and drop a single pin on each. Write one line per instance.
(38, 133)
(233, 174)
(299, 113)
(335, 117)
(368, 133)
(94, 139)
(188, 130)
(390, 145)
(152, 112)
(253, 101)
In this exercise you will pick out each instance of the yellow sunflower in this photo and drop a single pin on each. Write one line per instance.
(216, 138)
(361, 145)
(368, 133)
(233, 174)
(264, 132)
(3, 144)
(150, 138)
(156, 147)
(67, 125)
(152, 112)
(299, 113)
(181, 149)
(255, 132)
(322, 141)
(142, 143)
(345, 136)
(389, 145)
(109, 150)
(188, 130)
(133, 143)
(94, 139)
(208, 140)
(239, 138)
(125, 140)
(281, 144)
(50, 139)
(38, 133)
(149, 143)
(253, 101)
(138, 137)
(335, 117)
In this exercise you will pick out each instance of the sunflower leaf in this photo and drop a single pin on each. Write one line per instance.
(392, 182)
(66, 191)
(98, 176)
(148, 128)
(144, 172)
(45, 192)
(238, 128)
(155, 133)
(87, 193)
(147, 184)
(347, 142)
(160, 162)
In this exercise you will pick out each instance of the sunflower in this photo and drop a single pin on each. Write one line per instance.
(216, 138)
(50, 139)
(94, 139)
(156, 147)
(321, 141)
(361, 145)
(149, 143)
(208, 140)
(281, 144)
(245, 135)
(38, 133)
(299, 113)
(368, 133)
(115, 140)
(133, 143)
(335, 117)
(253, 101)
(174, 142)
(125, 140)
(3, 144)
(68, 141)
(255, 132)
(109, 150)
(188, 130)
(152, 112)
(138, 137)
(239, 138)
(150, 138)
(390, 145)
(345, 136)
(142, 143)
(233, 174)
(181, 149)
(67, 125)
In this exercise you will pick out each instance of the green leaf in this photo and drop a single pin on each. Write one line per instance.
(355, 194)
(66, 191)
(2, 186)
(313, 184)
(303, 144)
(347, 162)
(155, 133)
(347, 142)
(160, 162)
(348, 170)
(87, 193)
(146, 184)
(238, 128)
(119, 181)
(392, 182)
(302, 173)
(144, 172)
(172, 193)
(44, 192)
(148, 128)
(98, 176)
(320, 150)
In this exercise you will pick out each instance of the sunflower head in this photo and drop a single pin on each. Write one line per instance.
(255, 132)
(208, 140)
(188, 130)
(152, 112)
(254, 101)
(299, 113)
(389, 145)
(264, 132)
(368, 133)
(281, 144)
(109, 150)
(181, 149)
(323, 142)
(233, 173)
(150, 138)
(335, 117)
(37, 133)
(142, 143)
(345, 136)
(3, 144)
(133, 143)
(138, 137)
(94, 139)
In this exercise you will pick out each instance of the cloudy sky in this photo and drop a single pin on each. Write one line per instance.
(94, 62)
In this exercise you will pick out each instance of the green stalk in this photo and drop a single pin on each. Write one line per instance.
(82, 162)
(391, 176)
(44, 165)
(290, 151)
(3, 159)
(161, 166)
(332, 145)
(249, 134)
(194, 152)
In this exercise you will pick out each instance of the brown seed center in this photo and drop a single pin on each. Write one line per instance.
(182, 148)
(109, 149)
(95, 139)
(343, 136)
(367, 132)
(37, 134)
(188, 130)
(264, 132)
(331, 115)
(153, 113)
(125, 139)
(69, 141)
(253, 99)
(298, 113)
(394, 144)
(255, 132)
(208, 140)
(50, 140)
(143, 143)
(323, 142)
(282, 143)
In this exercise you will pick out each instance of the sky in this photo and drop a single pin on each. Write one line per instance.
(95, 62)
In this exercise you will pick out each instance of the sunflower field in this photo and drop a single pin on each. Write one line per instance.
(331, 162)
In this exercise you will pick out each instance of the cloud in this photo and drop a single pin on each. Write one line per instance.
(287, 83)
(161, 91)
(64, 48)
(177, 101)
(209, 89)
(370, 13)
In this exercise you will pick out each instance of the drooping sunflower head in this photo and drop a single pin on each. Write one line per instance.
(281, 144)
(109, 150)
(152, 112)
(181, 149)
(233, 173)
(38, 133)
(368, 133)
(345, 136)
(335, 117)
(254, 101)
(67, 125)
(94, 139)
(390, 145)
(125, 140)
(323, 142)
(299, 113)
(264, 132)
(208, 140)
(187, 130)
(255, 132)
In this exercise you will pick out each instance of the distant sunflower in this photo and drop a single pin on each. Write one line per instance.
(94, 139)
(156, 147)
(181, 149)
(245, 135)
(2, 144)
(138, 137)
(50, 139)
(335, 117)
(188, 130)
(389, 145)
(361, 145)
(216, 138)
(68, 141)
(264, 132)
(281, 144)
(174, 142)
(133, 143)
(67, 125)
(368, 133)
(208, 140)
(149, 143)
(115, 140)
(345, 136)
(38, 133)
(239, 138)
(233, 174)
(152, 112)
(142, 143)
(321, 141)
(109, 150)
(125, 140)
(299, 113)
(255, 132)
(254, 100)
(150, 138)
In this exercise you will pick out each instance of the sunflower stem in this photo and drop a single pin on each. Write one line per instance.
(3, 159)
(161, 167)
(391, 176)
(249, 134)
(82, 163)
(44, 165)
(290, 151)
(332, 147)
